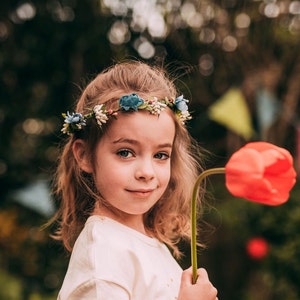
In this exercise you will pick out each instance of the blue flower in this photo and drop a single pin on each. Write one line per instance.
(74, 118)
(73, 122)
(132, 101)
(181, 103)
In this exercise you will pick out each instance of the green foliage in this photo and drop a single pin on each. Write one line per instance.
(42, 60)
(12, 290)
(27, 255)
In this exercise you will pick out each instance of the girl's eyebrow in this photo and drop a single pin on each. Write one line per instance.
(126, 140)
(135, 142)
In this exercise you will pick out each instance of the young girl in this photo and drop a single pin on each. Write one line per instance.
(125, 181)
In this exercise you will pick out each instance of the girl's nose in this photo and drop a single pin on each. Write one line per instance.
(144, 170)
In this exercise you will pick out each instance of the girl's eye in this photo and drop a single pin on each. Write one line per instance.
(125, 153)
(162, 156)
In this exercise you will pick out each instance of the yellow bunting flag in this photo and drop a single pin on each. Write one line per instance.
(231, 111)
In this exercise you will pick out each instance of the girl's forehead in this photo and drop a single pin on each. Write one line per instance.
(142, 127)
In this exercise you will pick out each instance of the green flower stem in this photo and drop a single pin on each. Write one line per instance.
(194, 216)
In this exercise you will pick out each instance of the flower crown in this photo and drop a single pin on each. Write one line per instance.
(76, 121)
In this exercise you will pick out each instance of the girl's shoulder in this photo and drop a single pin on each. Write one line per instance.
(100, 229)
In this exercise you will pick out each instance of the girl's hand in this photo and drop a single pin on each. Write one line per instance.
(201, 290)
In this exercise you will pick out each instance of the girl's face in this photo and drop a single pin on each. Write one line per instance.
(133, 161)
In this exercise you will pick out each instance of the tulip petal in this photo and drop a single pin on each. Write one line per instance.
(277, 161)
(261, 172)
(246, 161)
(279, 171)
(243, 170)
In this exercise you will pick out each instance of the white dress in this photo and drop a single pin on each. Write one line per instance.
(111, 261)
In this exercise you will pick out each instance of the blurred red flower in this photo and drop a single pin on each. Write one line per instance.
(261, 172)
(257, 248)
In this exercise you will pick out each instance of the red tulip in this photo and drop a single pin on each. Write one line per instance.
(257, 248)
(261, 172)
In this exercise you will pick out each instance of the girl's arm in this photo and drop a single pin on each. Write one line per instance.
(202, 290)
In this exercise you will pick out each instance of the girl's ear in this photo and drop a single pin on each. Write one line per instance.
(80, 152)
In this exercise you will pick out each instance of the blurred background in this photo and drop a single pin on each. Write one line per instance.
(239, 63)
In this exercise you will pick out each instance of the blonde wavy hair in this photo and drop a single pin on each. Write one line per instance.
(169, 218)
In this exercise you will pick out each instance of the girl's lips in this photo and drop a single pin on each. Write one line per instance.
(141, 192)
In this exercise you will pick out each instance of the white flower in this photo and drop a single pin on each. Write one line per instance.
(65, 129)
(184, 116)
(100, 114)
(155, 106)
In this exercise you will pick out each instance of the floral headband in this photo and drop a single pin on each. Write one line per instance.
(76, 121)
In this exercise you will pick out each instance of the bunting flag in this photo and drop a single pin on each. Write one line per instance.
(267, 107)
(232, 111)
